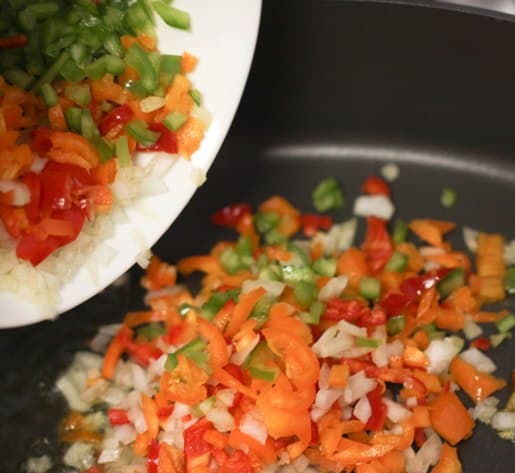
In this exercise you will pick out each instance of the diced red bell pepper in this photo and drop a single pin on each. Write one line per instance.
(376, 186)
(237, 462)
(414, 287)
(166, 142)
(372, 318)
(237, 373)
(340, 309)
(117, 416)
(378, 416)
(394, 302)
(377, 245)
(118, 116)
(481, 343)
(34, 250)
(153, 456)
(174, 334)
(41, 143)
(31, 180)
(195, 446)
(230, 215)
(165, 411)
(311, 223)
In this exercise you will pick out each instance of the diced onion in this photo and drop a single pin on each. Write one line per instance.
(38, 464)
(503, 420)
(485, 409)
(333, 288)
(427, 455)
(470, 237)
(357, 386)
(151, 103)
(38, 164)
(390, 171)
(124, 433)
(426, 251)
(509, 253)
(339, 238)
(226, 397)
(478, 359)
(109, 455)
(363, 409)
(395, 411)
(332, 343)
(221, 418)
(374, 205)
(239, 357)
(20, 192)
(135, 415)
(274, 288)
(471, 329)
(325, 398)
(440, 354)
(253, 427)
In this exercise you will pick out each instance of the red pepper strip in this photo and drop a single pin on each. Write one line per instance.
(311, 223)
(165, 411)
(378, 416)
(237, 373)
(93, 469)
(230, 215)
(118, 116)
(393, 303)
(174, 334)
(196, 450)
(166, 142)
(376, 186)
(340, 309)
(377, 245)
(117, 416)
(414, 287)
(153, 457)
(481, 343)
(13, 41)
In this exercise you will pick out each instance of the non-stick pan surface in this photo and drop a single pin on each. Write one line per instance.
(337, 89)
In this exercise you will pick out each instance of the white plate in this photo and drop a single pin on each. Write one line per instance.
(223, 37)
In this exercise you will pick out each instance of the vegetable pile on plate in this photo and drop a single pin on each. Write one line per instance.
(299, 355)
(82, 87)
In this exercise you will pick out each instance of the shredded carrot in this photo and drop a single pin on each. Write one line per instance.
(242, 311)
(431, 231)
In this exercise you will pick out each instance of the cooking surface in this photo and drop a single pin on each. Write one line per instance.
(336, 89)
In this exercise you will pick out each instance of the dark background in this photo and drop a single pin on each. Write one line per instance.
(336, 89)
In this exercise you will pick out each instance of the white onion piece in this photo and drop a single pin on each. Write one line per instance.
(221, 418)
(325, 398)
(503, 420)
(253, 427)
(333, 288)
(509, 253)
(333, 343)
(390, 171)
(139, 378)
(374, 205)
(38, 163)
(440, 354)
(478, 359)
(485, 409)
(426, 251)
(274, 288)
(317, 413)
(135, 415)
(143, 258)
(363, 410)
(21, 193)
(109, 455)
(380, 356)
(151, 103)
(301, 464)
(226, 397)
(428, 455)
(339, 238)
(470, 237)
(124, 433)
(395, 411)
(357, 386)
(239, 357)
(323, 378)
(471, 329)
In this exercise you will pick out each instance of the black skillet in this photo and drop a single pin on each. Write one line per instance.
(337, 89)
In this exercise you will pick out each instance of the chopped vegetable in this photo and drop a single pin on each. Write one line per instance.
(344, 361)
(327, 195)
(448, 197)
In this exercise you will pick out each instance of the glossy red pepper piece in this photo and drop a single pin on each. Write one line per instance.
(374, 185)
(481, 343)
(117, 416)
(41, 143)
(165, 411)
(195, 446)
(118, 116)
(33, 183)
(237, 462)
(372, 318)
(378, 416)
(153, 456)
(230, 215)
(311, 223)
(377, 245)
(341, 309)
(394, 302)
